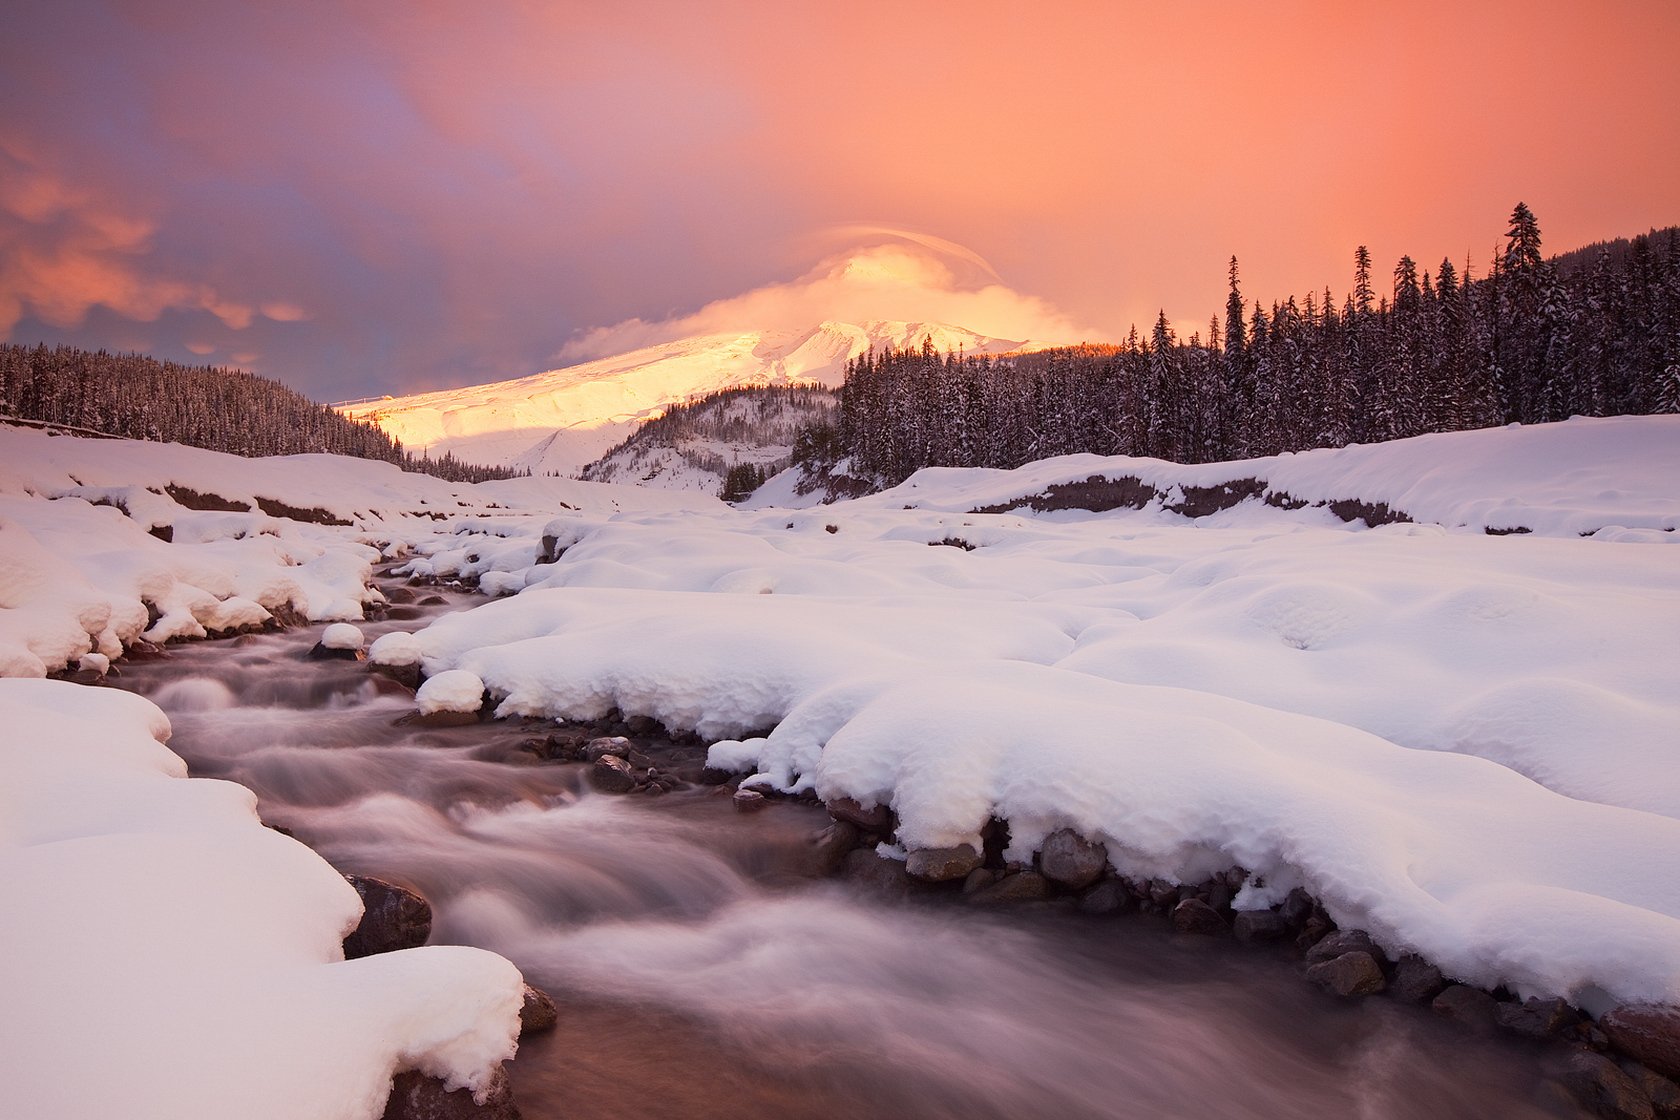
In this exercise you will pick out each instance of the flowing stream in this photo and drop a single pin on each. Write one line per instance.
(702, 971)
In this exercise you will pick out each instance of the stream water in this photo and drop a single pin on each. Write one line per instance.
(702, 972)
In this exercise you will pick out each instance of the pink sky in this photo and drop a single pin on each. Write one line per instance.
(369, 197)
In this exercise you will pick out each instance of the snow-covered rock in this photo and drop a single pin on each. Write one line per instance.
(342, 635)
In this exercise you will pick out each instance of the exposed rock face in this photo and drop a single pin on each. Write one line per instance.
(1197, 917)
(393, 918)
(1071, 860)
(415, 1096)
(537, 1014)
(937, 865)
(1647, 1032)
(1351, 974)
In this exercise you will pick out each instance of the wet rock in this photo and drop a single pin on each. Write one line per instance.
(616, 745)
(1351, 974)
(1415, 980)
(749, 801)
(1663, 1094)
(399, 595)
(1536, 1018)
(1161, 894)
(417, 1096)
(1342, 941)
(1195, 916)
(1107, 897)
(1316, 929)
(406, 675)
(864, 867)
(1071, 860)
(611, 774)
(938, 865)
(643, 725)
(1648, 1033)
(433, 601)
(322, 652)
(142, 650)
(1464, 1004)
(876, 819)
(403, 614)
(1260, 925)
(979, 879)
(1297, 908)
(393, 918)
(712, 776)
(1604, 1089)
(537, 1013)
(445, 719)
(829, 847)
(1023, 886)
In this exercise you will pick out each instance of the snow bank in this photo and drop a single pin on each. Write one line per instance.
(167, 956)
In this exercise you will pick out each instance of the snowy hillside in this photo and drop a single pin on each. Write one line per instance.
(555, 422)
(695, 445)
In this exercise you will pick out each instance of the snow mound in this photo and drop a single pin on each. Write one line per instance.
(454, 690)
(342, 635)
(219, 988)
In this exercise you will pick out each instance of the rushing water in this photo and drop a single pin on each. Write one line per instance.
(701, 971)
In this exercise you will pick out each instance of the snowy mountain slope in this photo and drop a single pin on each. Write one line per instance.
(555, 422)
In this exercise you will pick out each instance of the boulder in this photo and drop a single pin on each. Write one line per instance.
(746, 800)
(1649, 1033)
(1342, 941)
(829, 847)
(596, 749)
(1536, 1018)
(1604, 1089)
(1663, 1093)
(1351, 974)
(1107, 897)
(537, 1014)
(611, 774)
(1070, 859)
(418, 1096)
(1297, 908)
(1260, 925)
(1464, 1004)
(1415, 980)
(393, 918)
(1196, 917)
(865, 867)
(1022, 886)
(876, 819)
(937, 865)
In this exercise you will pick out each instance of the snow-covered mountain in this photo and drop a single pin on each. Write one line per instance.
(556, 422)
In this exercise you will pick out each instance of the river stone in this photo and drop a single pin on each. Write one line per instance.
(393, 918)
(1663, 1093)
(1464, 1004)
(1351, 974)
(1260, 925)
(1071, 860)
(1297, 907)
(433, 601)
(940, 864)
(749, 801)
(1604, 1089)
(1648, 1033)
(1162, 894)
(876, 819)
(1536, 1018)
(1107, 897)
(829, 847)
(417, 1096)
(1023, 886)
(979, 879)
(537, 1013)
(865, 867)
(596, 749)
(399, 595)
(1415, 980)
(445, 719)
(1342, 941)
(1195, 916)
(611, 774)
(406, 675)
(322, 652)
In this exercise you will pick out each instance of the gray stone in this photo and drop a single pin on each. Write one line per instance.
(937, 865)
(393, 918)
(537, 1013)
(1342, 941)
(1464, 1004)
(1415, 980)
(417, 1096)
(864, 867)
(1297, 908)
(1196, 917)
(1663, 1093)
(1260, 925)
(611, 774)
(1023, 886)
(1351, 974)
(1603, 1089)
(1071, 860)
(978, 879)
(876, 819)
(1648, 1033)
(1536, 1018)
(1107, 897)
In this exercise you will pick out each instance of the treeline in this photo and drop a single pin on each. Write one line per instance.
(1530, 342)
(137, 397)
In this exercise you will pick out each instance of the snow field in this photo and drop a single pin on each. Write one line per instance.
(168, 956)
(1463, 743)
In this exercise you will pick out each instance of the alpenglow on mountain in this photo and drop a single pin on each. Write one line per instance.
(558, 421)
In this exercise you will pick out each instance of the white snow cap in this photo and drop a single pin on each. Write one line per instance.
(454, 690)
(342, 635)
(399, 647)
